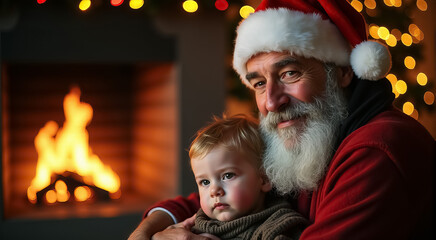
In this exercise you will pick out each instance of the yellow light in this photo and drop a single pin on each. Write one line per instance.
(406, 39)
(373, 31)
(397, 3)
(392, 78)
(371, 4)
(422, 5)
(136, 4)
(50, 196)
(383, 33)
(391, 41)
(421, 78)
(82, 193)
(401, 87)
(84, 5)
(428, 98)
(357, 5)
(408, 108)
(245, 11)
(409, 62)
(389, 3)
(190, 6)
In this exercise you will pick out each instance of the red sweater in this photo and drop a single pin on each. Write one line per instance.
(379, 185)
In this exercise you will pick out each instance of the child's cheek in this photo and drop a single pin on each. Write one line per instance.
(205, 206)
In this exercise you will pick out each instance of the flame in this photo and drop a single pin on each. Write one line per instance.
(67, 149)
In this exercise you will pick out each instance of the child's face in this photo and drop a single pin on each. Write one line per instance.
(229, 183)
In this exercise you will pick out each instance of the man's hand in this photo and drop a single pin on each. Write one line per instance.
(177, 233)
(155, 222)
(182, 231)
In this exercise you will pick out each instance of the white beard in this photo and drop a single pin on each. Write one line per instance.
(301, 165)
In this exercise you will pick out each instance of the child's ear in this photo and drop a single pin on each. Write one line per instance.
(266, 184)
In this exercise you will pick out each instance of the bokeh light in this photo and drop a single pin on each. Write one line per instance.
(391, 41)
(373, 31)
(371, 4)
(422, 79)
(136, 4)
(221, 5)
(357, 5)
(190, 6)
(428, 98)
(245, 11)
(84, 5)
(116, 3)
(408, 108)
(422, 5)
(396, 33)
(383, 33)
(401, 87)
(409, 62)
(406, 39)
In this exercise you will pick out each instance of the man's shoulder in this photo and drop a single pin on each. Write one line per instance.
(390, 127)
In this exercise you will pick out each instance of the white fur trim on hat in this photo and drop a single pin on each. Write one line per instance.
(370, 60)
(277, 30)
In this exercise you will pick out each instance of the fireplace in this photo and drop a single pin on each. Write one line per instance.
(151, 85)
(133, 107)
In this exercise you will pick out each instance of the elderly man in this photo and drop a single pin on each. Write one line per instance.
(352, 164)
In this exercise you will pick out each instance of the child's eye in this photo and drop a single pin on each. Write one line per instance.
(228, 176)
(204, 182)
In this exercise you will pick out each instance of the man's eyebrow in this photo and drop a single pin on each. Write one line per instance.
(285, 62)
(251, 75)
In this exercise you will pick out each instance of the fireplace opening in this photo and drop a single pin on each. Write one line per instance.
(121, 118)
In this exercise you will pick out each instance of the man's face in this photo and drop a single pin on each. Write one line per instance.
(280, 79)
(229, 183)
(301, 105)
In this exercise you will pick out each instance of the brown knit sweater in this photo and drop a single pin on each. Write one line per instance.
(277, 222)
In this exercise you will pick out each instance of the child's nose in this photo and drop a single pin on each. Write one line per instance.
(216, 190)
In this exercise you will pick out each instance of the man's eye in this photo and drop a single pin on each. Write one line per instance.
(289, 76)
(258, 84)
(228, 176)
(204, 182)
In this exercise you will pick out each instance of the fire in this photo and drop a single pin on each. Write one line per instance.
(66, 149)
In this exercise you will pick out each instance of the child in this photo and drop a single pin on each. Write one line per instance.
(226, 161)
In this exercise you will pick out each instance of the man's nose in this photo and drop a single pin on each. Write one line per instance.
(216, 190)
(276, 98)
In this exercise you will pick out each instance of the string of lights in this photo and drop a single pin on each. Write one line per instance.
(390, 21)
(189, 6)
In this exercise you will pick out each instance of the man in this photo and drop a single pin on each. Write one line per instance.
(354, 166)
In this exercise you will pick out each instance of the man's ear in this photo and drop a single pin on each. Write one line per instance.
(345, 75)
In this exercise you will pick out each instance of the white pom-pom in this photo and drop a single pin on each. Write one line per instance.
(370, 60)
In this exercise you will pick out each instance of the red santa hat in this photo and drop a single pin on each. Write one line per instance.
(327, 30)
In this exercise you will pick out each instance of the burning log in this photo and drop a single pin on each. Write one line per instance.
(67, 185)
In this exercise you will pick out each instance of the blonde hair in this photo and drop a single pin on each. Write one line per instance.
(239, 133)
